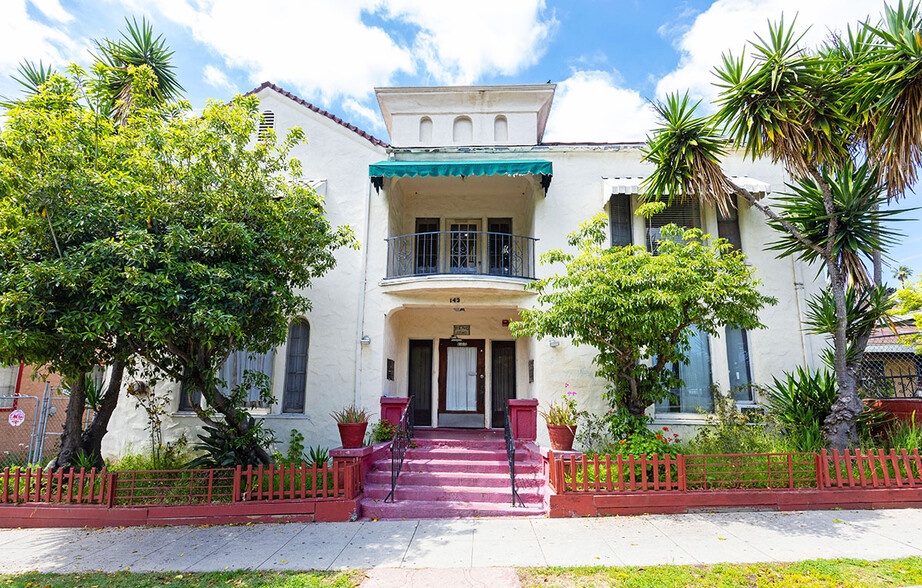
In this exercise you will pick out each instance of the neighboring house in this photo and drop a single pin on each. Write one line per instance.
(452, 216)
(890, 368)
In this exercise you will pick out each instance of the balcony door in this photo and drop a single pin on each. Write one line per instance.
(463, 249)
(427, 246)
(500, 242)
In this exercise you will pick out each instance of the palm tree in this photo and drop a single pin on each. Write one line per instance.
(137, 46)
(902, 273)
(814, 112)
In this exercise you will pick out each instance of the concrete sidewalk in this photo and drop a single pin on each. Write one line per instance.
(472, 543)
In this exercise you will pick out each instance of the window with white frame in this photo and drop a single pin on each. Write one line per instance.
(233, 373)
(728, 227)
(299, 334)
(695, 396)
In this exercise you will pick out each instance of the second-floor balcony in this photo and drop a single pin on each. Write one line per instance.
(461, 253)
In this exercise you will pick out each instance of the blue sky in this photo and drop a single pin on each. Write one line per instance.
(608, 57)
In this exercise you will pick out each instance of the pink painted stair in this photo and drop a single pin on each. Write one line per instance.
(447, 477)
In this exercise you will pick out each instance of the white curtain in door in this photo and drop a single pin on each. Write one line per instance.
(461, 379)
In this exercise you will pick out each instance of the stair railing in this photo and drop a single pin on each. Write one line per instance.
(510, 454)
(399, 445)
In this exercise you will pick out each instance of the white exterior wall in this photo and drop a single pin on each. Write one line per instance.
(348, 303)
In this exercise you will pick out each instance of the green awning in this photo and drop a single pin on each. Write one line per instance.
(518, 167)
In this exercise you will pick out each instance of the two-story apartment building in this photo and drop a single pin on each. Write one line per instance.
(452, 215)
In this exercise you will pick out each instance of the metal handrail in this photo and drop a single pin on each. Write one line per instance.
(510, 454)
(485, 253)
(399, 445)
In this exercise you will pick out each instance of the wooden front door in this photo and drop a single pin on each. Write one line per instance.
(461, 383)
(502, 384)
(420, 381)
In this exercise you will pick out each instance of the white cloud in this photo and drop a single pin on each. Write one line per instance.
(368, 114)
(731, 24)
(591, 106)
(53, 9)
(22, 38)
(460, 42)
(324, 50)
(216, 78)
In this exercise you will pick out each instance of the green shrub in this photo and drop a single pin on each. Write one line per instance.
(800, 403)
(730, 430)
(173, 456)
(382, 431)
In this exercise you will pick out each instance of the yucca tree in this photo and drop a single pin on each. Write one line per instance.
(118, 59)
(902, 273)
(835, 118)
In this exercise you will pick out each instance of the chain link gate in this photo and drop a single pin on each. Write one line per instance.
(37, 438)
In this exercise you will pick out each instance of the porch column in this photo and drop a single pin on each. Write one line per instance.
(392, 408)
(523, 415)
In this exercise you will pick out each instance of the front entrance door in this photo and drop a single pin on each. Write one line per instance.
(502, 384)
(420, 381)
(461, 383)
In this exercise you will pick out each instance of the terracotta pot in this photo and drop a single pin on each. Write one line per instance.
(902, 409)
(352, 435)
(561, 436)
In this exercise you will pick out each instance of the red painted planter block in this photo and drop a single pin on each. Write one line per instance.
(523, 415)
(392, 408)
(902, 409)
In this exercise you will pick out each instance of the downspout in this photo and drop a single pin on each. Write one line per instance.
(798, 296)
(360, 321)
(22, 368)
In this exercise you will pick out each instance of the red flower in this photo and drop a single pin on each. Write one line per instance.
(658, 436)
(665, 428)
(621, 442)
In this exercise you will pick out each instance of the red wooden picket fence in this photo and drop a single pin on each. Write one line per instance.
(342, 480)
(777, 471)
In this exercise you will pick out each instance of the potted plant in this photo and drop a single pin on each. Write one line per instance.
(561, 421)
(352, 422)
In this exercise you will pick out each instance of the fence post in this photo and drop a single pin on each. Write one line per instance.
(680, 468)
(110, 495)
(235, 492)
(818, 470)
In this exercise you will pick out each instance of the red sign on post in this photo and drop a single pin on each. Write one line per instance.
(17, 417)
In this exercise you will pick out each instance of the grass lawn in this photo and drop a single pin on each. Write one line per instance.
(239, 579)
(817, 573)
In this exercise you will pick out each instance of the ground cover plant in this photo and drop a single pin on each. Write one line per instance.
(840, 573)
(236, 579)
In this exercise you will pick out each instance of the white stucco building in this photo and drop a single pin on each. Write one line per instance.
(452, 215)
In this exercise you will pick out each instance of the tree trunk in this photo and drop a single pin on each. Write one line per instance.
(92, 437)
(841, 426)
(235, 419)
(71, 438)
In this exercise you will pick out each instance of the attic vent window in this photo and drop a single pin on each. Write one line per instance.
(266, 122)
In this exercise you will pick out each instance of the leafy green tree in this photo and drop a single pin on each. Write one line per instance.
(639, 309)
(232, 240)
(910, 302)
(843, 121)
(67, 194)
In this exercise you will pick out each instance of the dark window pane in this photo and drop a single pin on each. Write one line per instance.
(187, 403)
(427, 245)
(738, 361)
(728, 227)
(296, 366)
(619, 214)
(695, 396)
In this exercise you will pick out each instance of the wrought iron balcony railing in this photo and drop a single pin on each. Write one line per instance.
(461, 253)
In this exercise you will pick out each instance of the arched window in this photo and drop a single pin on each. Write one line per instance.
(463, 130)
(500, 129)
(299, 335)
(266, 122)
(425, 131)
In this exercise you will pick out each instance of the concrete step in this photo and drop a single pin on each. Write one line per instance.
(452, 493)
(464, 453)
(479, 480)
(460, 466)
(419, 509)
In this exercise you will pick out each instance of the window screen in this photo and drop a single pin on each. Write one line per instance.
(299, 334)
(687, 215)
(728, 227)
(619, 214)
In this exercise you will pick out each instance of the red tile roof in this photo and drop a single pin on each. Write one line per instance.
(372, 139)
